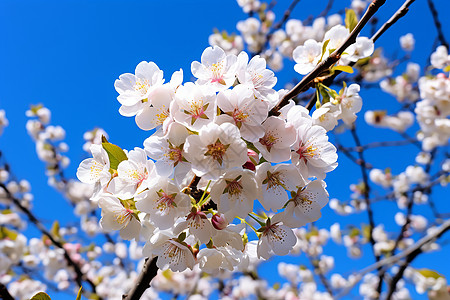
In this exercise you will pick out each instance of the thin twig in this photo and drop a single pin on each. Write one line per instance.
(395, 17)
(401, 12)
(278, 25)
(437, 24)
(322, 277)
(326, 9)
(366, 191)
(380, 144)
(79, 278)
(393, 259)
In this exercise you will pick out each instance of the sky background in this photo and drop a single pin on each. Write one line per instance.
(67, 54)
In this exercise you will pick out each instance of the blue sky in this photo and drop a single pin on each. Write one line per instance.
(67, 54)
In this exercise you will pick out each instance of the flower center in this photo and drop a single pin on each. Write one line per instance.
(197, 110)
(141, 86)
(172, 251)
(273, 180)
(217, 151)
(233, 187)
(165, 201)
(217, 72)
(124, 216)
(239, 116)
(162, 116)
(174, 154)
(268, 140)
(308, 152)
(301, 199)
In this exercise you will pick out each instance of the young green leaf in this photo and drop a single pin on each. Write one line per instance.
(346, 69)
(324, 48)
(41, 296)
(8, 233)
(429, 273)
(325, 94)
(55, 229)
(350, 19)
(115, 154)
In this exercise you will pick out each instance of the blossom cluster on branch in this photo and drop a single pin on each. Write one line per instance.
(233, 172)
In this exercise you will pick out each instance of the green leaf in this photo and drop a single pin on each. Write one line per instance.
(41, 296)
(363, 61)
(325, 95)
(429, 273)
(350, 19)
(366, 230)
(344, 86)
(7, 233)
(346, 69)
(324, 47)
(35, 108)
(115, 154)
(55, 230)
(447, 68)
(354, 232)
(79, 293)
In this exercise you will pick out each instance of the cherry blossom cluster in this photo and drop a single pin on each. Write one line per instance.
(433, 110)
(219, 144)
(33, 264)
(48, 139)
(216, 149)
(298, 40)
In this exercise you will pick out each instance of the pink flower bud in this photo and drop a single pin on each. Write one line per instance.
(251, 153)
(219, 222)
(253, 158)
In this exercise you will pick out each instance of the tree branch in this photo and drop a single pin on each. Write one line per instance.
(79, 278)
(431, 237)
(366, 191)
(334, 57)
(437, 24)
(4, 293)
(397, 15)
(148, 272)
(401, 12)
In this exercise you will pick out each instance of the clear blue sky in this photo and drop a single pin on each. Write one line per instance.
(67, 54)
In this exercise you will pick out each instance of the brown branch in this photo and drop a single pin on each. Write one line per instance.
(401, 12)
(437, 24)
(326, 9)
(411, 256)
(380, 144)
(352, 158)
(148, 272)
(334, 57)
(278, 25)
(286, 16)
(405, 226)
(4, 293)
(322, 277)
(431, 237)
(366, 191)
(79, 278)
(395, 17)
